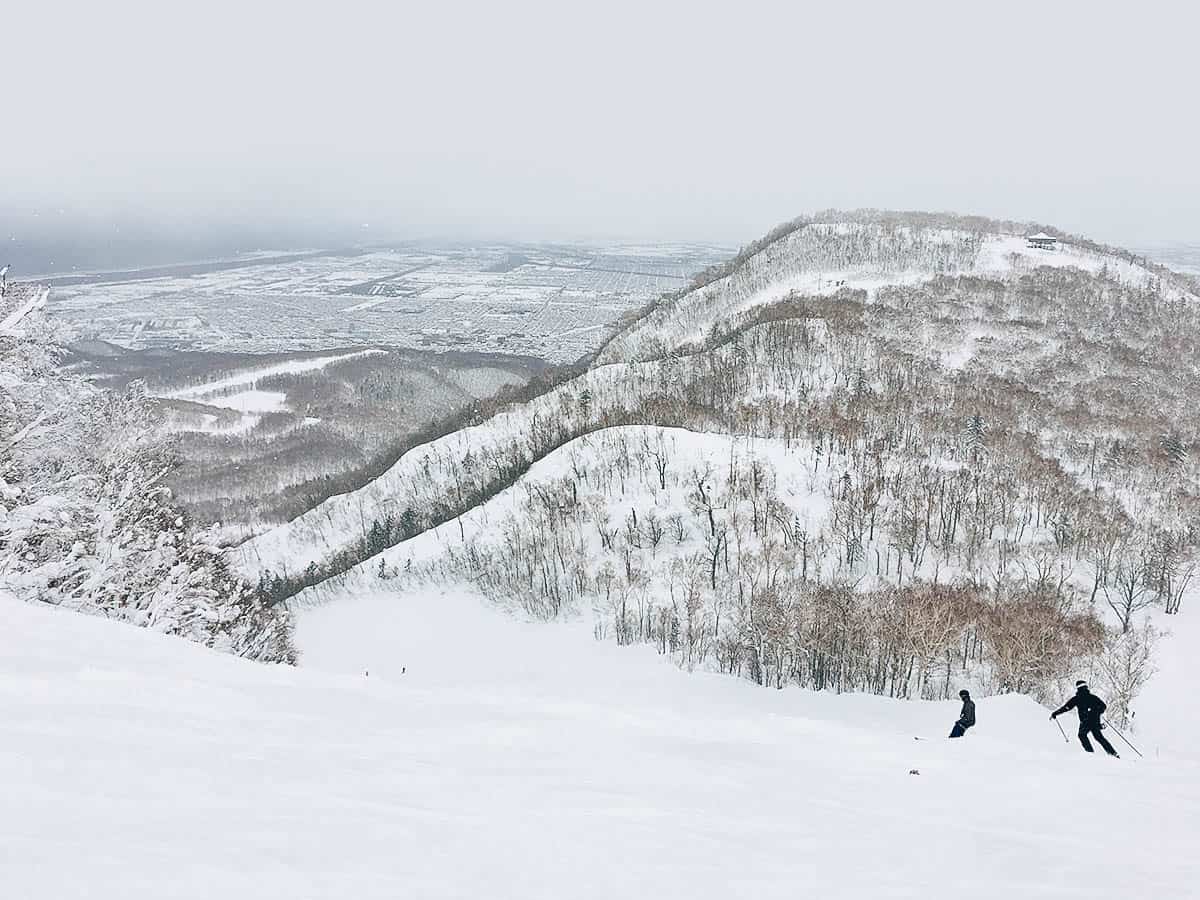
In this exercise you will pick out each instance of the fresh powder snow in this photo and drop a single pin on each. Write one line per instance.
(430, 747)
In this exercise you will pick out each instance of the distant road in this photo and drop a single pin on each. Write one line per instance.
(184, 270)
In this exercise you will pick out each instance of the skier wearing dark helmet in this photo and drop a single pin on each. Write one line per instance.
(1090, 709)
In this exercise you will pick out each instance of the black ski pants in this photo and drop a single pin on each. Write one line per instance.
(1093, 728)
(959, 729)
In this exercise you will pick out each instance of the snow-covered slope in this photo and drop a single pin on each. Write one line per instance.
(953, 445)
(420, 478)
(431, 745)
(824, 259)
(486, 523)
(818, 260)
(484, 758)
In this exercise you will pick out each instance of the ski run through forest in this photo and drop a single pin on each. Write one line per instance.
(664, 624)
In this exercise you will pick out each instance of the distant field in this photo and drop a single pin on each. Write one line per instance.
(549, 302)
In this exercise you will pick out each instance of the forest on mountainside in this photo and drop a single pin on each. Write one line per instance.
(1006, 463)
(262, 438)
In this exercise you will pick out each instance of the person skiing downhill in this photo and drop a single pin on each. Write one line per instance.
(966, 718)
(1090, 709)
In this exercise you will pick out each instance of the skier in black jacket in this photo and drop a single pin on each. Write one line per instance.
(966, 718)
(1090, 709)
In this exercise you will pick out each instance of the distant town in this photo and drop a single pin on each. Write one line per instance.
(553, 302)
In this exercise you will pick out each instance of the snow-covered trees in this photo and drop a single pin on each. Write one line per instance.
(1125, 666)
(972, 443)
(737, 582)
(85, 521)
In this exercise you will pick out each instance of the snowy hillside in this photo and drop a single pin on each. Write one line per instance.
(825, 258)
(887, 271)
(668, 628)
(422, 477)
(955, 458)
(531, 761)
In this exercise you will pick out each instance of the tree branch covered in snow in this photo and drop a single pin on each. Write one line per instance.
(85, 521)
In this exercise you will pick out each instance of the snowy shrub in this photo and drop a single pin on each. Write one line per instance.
(85, 521)
(1124, 667)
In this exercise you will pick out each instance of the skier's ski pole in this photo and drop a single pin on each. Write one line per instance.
(1060, 729)
(1125, 739)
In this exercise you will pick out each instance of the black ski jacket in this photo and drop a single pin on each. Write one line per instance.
(1088, 705)
(966, 718)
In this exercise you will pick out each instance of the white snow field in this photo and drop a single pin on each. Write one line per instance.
(510, 760)
(220, 388)
(239, 392)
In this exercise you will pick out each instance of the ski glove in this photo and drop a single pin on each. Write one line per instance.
(1054, 715)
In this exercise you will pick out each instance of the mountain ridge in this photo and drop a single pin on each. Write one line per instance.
(253, 558)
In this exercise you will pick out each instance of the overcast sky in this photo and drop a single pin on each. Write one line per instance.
(648, 120)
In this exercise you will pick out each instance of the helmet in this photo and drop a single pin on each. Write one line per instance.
(964, 693)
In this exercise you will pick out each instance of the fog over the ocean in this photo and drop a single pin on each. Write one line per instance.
(302, 122)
